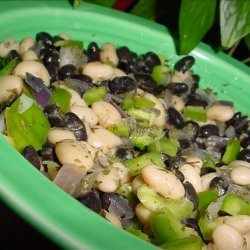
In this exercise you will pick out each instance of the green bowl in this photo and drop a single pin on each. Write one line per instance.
(28, 192)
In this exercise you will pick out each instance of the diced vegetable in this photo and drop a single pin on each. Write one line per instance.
(205, 198)
(181, 208)
(232, 151)
(94, 94)
(120, 129)
(61, 98)
(69, 43)
(166, 146)
(8, 68)
(195, 113)
(136, 164)
(26, 128)
(159, 73)
(207, 226)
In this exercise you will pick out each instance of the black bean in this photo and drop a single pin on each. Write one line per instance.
(175, 162)
(195, 85)
(145, 82)
(245, 142)
(219, 184)
(54, 115)
(124, 55)
(93, 52)
(67, 71)
(124, 153)
(46, 38)
(13, 54)
(194, 100)
(175, 117)
(57, 38)
(53, 70)
(130, 67)
(207, 170)
(74, 124)
(209, 130)
(234, 119)
(52, 57)
(244, 155)
(184, 64)
(44, 52)
(82, 77)
(47, 152)
(32, 156)
(91, 200)
(185, 143)
(192, 129)
(120, 85)
(179, 174)
(193, 223)
(178, 88)
(191, 194)
(151, 60)
(241, 125)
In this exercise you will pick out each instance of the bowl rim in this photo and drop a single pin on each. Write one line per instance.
(60, 205)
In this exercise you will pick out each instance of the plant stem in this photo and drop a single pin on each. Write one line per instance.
(245, 61)
(231, 51)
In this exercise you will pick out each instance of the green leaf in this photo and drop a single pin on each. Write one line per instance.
(106, 3)
(195, 19)
(145, 8)
(247, 40)
(234, 21)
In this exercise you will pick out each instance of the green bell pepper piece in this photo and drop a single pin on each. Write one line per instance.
(235, 205)
(61, 98)
(140, 102)
(142, 137)
(8, 68)
(232, 151)
(94, 94)
(166, 146)
(26, 128)
(128, 102)
(69, 43)
(195, 113)
(205, 198)
(136, 164)
(181, 208)
(138, 233)
(207, 226)
(189, 243)
(159, 73)
(120, 129)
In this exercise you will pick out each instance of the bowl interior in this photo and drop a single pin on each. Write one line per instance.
(40, 202)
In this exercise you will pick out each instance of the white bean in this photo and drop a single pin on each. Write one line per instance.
(85, 113)
(103, 139)
(8, 45)
(240, 222)
(72, 152)
(108, 180)
(29, 55)
(118, 73)
(136, 183)
(113, 219)
(35, 68)
(75, 97)
(58, 134)
(98, 71)
(192, 176)
(219, 112)
(178, 76)
(196, 162)
(226, 237)
(206, 180)
(142, 213)
(10, 86)
(65, 36)
(241, 175)
(26, 44)
(122, 172)
(106, 113)
(108, 54)
(177, 103)
(246, 236)
(159, 120)
(163, 182)
(237, 163)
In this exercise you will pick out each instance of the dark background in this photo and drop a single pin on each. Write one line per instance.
(15, 233)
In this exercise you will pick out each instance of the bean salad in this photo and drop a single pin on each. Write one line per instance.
(129, 137)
